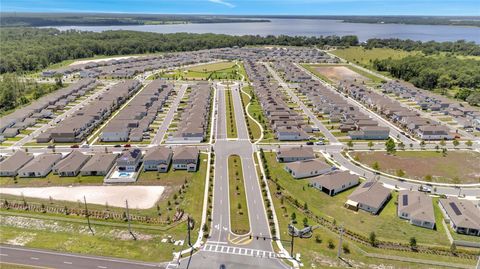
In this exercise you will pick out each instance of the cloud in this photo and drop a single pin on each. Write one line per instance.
(222, 2)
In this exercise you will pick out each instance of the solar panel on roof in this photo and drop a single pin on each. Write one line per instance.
(455, 208)
(368, 184)
(405, 199)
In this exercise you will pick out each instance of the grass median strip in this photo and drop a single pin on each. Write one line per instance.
(231, 123)
(255, 130)
(238, 200)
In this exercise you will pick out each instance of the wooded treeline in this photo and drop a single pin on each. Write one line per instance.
(460, 47)
(29, 49)
(437, 73)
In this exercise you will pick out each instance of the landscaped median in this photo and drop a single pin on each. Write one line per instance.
(254, 128)
(239, 222)
(231, 123)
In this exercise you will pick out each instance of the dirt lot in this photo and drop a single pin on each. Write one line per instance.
(340, 73)
(455, 167)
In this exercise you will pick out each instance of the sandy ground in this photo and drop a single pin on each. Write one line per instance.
(141, 197)
(101, 60)
(340, 73)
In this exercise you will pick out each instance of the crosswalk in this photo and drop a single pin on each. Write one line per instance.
(240, 251)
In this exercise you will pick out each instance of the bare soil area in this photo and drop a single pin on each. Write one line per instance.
(340, 73)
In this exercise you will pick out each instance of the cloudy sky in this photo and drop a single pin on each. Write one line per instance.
(255, 7)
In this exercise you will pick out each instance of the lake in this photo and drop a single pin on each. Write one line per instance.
(308, 27)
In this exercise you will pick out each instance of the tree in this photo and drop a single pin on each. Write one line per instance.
(376, 166)
(443, 143)
(453, 249)
(469, 143)
(330, 243)
(455, 143)
(428, 178)
(422, 144)
(390, 146)
(370, 145)
(318, 239)
(350, 144)
(305, 222)
(346, 248)
(400, 173)
(372, 238)
(401, 145)
(413, 243)
(293, 217)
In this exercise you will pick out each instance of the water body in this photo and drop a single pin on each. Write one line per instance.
(309, 27)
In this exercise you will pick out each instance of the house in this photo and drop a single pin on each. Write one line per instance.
(334, 183)
(10, 166)
(295, 154)
(417, 208)
(185, 158)
(433, 132)
(370, 133)
(70, 165)
(98, 165)
(370, 196)
(129, 160)
(308, 168)
(290, 133)
(157, 159)
(40, 166)
(462, 215)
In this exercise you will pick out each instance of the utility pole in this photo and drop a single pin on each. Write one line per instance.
(189, 227)
(339, 252)
(291, 246)
(128, 220)
(88, 215)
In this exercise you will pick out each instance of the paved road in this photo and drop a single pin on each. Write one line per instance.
(169, 117)
(219, 248)
(52, 259)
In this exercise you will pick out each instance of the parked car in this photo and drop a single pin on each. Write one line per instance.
(425, 189)
(117, 146)
(86, 146)
(127, 145)
(74, 146)
(319, 143)
(51, 146)
(310, 143)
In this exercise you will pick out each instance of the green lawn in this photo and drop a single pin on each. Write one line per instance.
(317, 253)
(387, 225)
(231, 123)
(212, 67)
(252, 125)
(4, 265)
(256, 111)
(238, 200)
(365, 57)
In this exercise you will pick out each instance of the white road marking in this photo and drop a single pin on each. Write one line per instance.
(67, 262)
(34, 258)
(102, 267)
(3, 254)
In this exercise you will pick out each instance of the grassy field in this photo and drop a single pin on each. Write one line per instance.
(222, 70)
(252, 125)
(76, 238)
(231, 123)
(4, 265)
(256, 111)
(212, 67)
(239, 221)
(387, 225)
(365, 57)
(455, 167)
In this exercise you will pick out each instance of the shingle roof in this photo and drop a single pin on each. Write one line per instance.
(418, 205)
(334, 180)
(371, 193)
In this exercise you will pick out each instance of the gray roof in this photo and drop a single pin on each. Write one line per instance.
(462, 212)
(157, 153)
(185, 153)
(417, 204)
(334, 180)
(16, 161)
(72, 162)
(371, 193)
(304, 152)
(41, 163)
(308, 166)
(100, 162)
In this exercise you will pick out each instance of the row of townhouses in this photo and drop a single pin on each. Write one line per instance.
(78, 126)
(43, 108)
(133, 122)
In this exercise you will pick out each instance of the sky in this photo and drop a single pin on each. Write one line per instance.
(252, 7)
